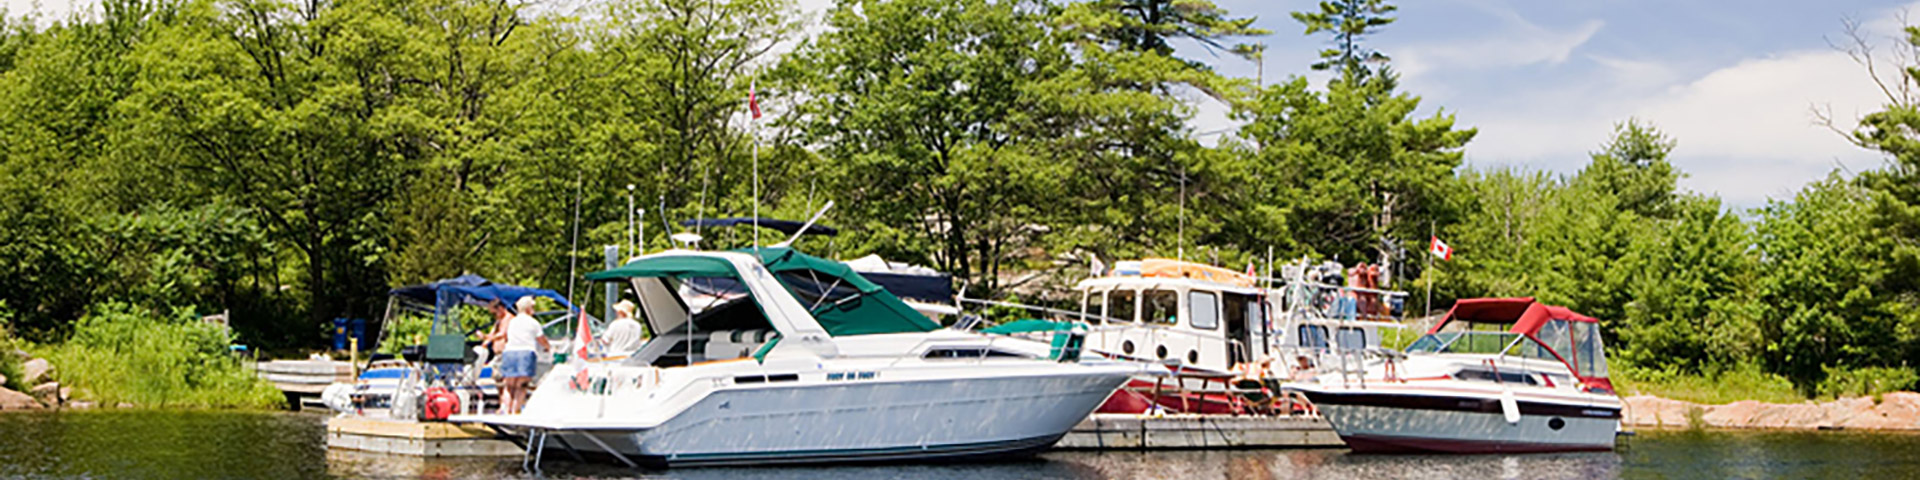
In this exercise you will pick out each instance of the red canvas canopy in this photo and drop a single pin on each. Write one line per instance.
(1527, 317)
(1525, 314)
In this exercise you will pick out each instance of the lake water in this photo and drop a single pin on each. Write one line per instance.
(286, 446)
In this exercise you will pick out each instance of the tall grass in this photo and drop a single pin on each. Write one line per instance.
(119, 353)
(1727, 385)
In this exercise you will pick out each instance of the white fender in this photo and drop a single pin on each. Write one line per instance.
(1509, 406)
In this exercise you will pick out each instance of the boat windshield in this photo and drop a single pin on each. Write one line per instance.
(1482, 342)
(1464, 342)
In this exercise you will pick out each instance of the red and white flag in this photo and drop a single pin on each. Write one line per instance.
(1441, 249)
(753, 101)
(582, 338)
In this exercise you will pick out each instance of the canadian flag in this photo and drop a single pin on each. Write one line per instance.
(753, 101)
(1440, 249)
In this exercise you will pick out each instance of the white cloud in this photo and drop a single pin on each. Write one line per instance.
(1520, 43)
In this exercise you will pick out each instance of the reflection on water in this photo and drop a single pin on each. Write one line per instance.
(283, 446)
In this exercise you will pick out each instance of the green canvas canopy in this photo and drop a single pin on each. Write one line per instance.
(668, 266)
(864, 310)
(873, 310)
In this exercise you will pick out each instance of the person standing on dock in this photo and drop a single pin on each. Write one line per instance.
(623, 335)
(523, 343)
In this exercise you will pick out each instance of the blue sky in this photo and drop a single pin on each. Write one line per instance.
(1733, 82)
(1544, 81)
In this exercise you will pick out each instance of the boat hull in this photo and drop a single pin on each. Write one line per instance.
(861, 422)
(1401, 422)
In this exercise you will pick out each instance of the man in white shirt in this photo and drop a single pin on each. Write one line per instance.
(623, 335)
(523, 343)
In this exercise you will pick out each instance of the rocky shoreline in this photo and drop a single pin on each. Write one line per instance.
(45, 393)
(1890, 411)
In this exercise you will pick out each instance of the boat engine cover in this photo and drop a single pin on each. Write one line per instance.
(438, 404)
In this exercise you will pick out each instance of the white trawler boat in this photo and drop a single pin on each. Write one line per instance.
(1231, 341)
(812, 364)
(1496, 375)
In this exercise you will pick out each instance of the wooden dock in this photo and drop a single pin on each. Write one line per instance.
(420, 439)
(303, 380)
(1137, 432)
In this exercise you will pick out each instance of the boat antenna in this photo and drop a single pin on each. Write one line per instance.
(573, 252)
(632, 239)
(1182, 241)
(668, 224)
(809, 224)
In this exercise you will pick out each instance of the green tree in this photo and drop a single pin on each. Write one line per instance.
(1830, 291)
(1151, 25)
(1349, 21)
(1361, 174)
(922, 111)
(1633, 167)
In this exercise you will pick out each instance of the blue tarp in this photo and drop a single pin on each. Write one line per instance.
(472, 289)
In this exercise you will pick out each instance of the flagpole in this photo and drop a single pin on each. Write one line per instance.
(1432, 237)
(754, 118)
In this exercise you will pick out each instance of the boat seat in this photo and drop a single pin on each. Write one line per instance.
(730, 344)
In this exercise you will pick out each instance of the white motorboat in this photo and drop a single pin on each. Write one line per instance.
(813, 364)
(1495, 375)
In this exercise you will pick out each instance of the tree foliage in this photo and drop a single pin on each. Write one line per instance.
(1349, 22)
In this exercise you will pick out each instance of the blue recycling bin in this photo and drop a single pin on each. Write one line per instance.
(339, 334)
(357, 329)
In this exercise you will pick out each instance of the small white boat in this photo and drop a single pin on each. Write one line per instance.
(1495, 375)
(812, 364)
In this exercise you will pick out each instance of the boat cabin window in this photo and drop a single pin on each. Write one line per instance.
(958, 352)
(1484, 375)
(1120, 306)
(1205, 308)
(1160, 307)
(1592, 357)
(1351, 338)
(1313, 336)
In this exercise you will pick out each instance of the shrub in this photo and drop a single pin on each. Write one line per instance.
(119, 353)
(9, 363)
(1718, 385)
(1866, 381)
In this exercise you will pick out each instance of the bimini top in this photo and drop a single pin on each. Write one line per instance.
(1525, 314)
(474, 289)
(843, 302)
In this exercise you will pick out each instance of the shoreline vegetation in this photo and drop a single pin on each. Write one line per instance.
(284, 163)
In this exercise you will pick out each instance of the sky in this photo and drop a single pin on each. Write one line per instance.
(1734, 83)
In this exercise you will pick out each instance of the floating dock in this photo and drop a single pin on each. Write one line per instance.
(420, 439)
(1139, 432)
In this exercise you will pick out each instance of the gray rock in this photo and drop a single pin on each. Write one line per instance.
(79, 405)
(123, 405)
(48, 393)
(35, 371)
(3, 379)
(66, 393)
(12, 400)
